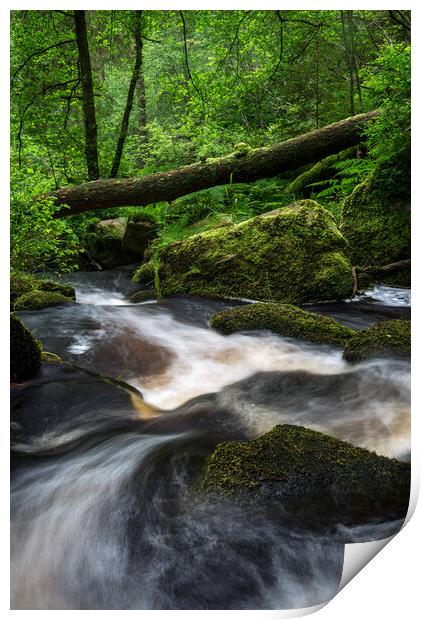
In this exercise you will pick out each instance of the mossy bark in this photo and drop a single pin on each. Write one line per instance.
(238, 167)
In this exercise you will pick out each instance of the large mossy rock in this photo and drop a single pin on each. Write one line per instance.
(384, 339)
(105, 243)
(285, 320)
(376, 223)
(139, 233)
(293, 254)
(36, 300)
(313, 476)
(25, 351)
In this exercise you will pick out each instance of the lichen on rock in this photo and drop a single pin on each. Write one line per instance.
(312, 475)
(25, 351)
(283, 319)
(384, 339)
(293, 254)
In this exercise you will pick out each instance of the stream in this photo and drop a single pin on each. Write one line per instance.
(103, 513)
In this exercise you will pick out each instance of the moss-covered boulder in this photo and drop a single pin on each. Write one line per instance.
(105, 243)
(23, 283)
(25, 351)
(376, 223)
(313, 476)
(282, 319)
(35, 300)
(139, 233)
(384, 339)
(57, 287)
(293, 254)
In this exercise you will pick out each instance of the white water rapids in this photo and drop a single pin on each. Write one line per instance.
(102, 516)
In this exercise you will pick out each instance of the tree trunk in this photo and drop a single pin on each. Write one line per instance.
(345, 35)
(91, 142)
(143, 130)
(130, 96)
(239, 167)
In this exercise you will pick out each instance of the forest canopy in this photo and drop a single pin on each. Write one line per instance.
(117, 94)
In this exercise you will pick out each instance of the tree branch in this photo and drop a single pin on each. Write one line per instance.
(38, 53)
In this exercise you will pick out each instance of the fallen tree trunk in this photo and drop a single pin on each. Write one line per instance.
(244, 165)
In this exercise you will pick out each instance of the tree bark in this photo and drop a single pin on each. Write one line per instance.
(237, 167)
(130, 95)
(91, 141)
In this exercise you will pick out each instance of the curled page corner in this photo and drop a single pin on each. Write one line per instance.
(359, 554)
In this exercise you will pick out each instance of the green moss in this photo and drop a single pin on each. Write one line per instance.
(321, 171)
(145, 273)
(293, 254)
(285, 320)
(24, 283)
(140, 296)
(25, 351)
(35, 300)
(384, 339)
(376, 226)
(57, 287)
(50, 358)
(309, 473)
(21, 283)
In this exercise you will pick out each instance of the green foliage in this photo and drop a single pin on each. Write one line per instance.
(389, 136)
(38, 242)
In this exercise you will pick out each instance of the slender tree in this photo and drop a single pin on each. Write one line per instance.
(88, 101)
(130, 95)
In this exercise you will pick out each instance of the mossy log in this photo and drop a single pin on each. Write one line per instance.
(241, 166)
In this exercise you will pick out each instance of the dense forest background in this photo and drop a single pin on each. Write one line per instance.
(103, 94)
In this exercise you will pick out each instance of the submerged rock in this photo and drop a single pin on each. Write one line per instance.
(283, 319)
(377, 225)
(25, 351)
(313, 477)
(293, 254)
(140, 296)
(384, 339)
(36, 299)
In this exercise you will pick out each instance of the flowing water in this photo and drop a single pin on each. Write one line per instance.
(103, 513)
